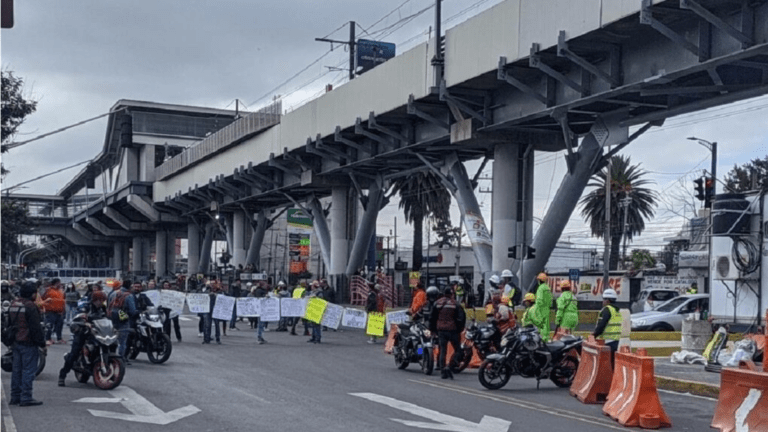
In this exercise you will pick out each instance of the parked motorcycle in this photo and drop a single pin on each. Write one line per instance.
(6, 361)
(149, 337)
(483, 339)
(524, 353)
(413, 343)
(99, 358)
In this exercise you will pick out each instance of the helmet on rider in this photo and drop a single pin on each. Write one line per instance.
(494, 280)
(432, 293)
(542, 276)
(98, 298)
(610, 294)
(531, 297)
(506, 274)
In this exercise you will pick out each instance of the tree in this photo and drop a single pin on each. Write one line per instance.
(626, 182)
(15, 221)
(740, 178)
(15, 108)
(422, 195)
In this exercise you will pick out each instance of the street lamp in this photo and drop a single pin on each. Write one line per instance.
(712, 147)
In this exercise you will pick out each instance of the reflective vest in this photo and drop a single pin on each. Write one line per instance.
(613, 328)
(298, 292)
(526, 317)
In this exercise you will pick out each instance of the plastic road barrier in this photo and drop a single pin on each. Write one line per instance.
(743, 402)
(593, 378)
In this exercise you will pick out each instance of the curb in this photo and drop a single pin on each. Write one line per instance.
(692, 387)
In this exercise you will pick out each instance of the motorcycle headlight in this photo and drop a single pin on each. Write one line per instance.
(154, 317)
(504, 342)
(427, 333)
(107, 340)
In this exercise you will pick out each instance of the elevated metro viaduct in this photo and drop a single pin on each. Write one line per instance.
(523, 76)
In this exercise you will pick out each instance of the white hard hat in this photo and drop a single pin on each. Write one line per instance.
(610, 294)
(506, 273)
(494, 279)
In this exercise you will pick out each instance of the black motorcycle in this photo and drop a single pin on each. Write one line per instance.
(483, 339)
(98, 358)
(6, 361)
(524, 353)
(148, 337)
(413, 343)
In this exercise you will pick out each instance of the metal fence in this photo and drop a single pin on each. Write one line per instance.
(239, 129)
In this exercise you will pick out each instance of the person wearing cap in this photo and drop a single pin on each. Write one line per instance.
(528, 302)
(374, 303)
(94, 309)
(29, 338)
(540, 313)
(510, 287)
(447, 320)
(567, 317)
(494, 282)
(609, 321)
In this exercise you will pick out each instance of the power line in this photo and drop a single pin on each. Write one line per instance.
(13, 145)
(16, 186)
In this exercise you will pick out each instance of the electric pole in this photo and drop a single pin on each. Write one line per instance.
(351, 42)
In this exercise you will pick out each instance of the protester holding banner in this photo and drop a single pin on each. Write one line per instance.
(282, 292)
(170, 317)
(374, 303)
(317, 328)
(259, 291)
(235, 292)
(299, 292)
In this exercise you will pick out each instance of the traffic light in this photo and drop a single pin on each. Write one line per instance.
(512, 252)
(530, 253)
(700, 194)
(709, 191)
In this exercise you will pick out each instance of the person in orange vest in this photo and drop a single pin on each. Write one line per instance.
(419, 299)
(505, 316)
(54, 301)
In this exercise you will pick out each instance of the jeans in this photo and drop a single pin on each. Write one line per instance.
(78, 340)
(25, 360)
(123, 330)
(207, 321)
(55, 323)
(317, 331)
(260, 329)
(445, 337)
(167, 324)
(71, 312)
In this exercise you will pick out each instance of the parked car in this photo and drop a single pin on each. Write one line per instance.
(669, 316)
(649, 298)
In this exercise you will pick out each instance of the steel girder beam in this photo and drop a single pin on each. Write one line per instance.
(123, 221)
(536, 61)
(614, 52)
(102, 228)
(745, 37)
(338, 137)
(418, 110)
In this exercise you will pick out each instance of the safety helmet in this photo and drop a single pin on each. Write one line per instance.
(542, 276)
(494, 280)
(566, 284)
(506, 273)
(609, 294)
(432, 293)
(530, 297)
(281, 283)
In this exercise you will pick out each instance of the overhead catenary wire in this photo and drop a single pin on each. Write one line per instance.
(14, 145)
(16, 186)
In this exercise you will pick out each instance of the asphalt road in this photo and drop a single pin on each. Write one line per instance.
(343, 384)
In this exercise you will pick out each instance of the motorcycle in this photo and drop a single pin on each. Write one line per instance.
(413, 343)
(149, 337)
(524, 353)
(6, 361)
(483, 339)
(99, 358)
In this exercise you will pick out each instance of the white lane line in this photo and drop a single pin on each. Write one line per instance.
(10, 426)
(686, 394)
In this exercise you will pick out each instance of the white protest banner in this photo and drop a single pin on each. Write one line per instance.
(354, 318)
(270, 309)
(332, 316)
(198, 303)
(248, 307)
(223, 308)
(290, 307)
(153, 296)
(397, 317)
(173, 300)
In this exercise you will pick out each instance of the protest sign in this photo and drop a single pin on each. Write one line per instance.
(396, 317)
(375, 325)
(332, 316)
(172, 300)
(223, 308)
(291, 307)
(198, 303)
(248, 307)
(354, 318)
(315, 309)
(153, 296)
(270, 309)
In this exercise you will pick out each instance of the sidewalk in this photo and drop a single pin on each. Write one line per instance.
(686, 378)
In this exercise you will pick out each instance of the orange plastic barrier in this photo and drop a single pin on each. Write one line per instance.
(593, 378)
(633, 399)
(390, 342)
(743, 401)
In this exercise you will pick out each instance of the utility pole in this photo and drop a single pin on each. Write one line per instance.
(437, 59)
(607, 228)
(625, 205)
(351, 42)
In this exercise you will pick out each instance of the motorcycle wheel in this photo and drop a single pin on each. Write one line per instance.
(41, 361)
(82, 377)
(401, 361)
(132, 351)
(112, 377)
(461, 360)
(493, 374)
(160, 350)
(428, 362)
(562, 376)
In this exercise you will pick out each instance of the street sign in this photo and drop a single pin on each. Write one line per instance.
(573, 274)
(371, 53)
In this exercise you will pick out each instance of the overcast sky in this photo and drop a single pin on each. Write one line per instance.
(80, 57)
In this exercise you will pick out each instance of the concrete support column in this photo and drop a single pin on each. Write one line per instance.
(117, 255)
(257, 238)
(472, 217)
(146, 247)
(193, 248)
(205, 250)
(170, 248)
(367, 227)
(320, 225)
(238, 239)
(339, 239)
(161, 253)
(137, 254)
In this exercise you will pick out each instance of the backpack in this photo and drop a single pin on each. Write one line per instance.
(116, 310)
(8, 335)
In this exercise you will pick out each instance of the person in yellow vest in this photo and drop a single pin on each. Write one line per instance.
(694, 289)
(609, 321)
(540, 313)
(299, 292)
(567, 317)
(528, 302)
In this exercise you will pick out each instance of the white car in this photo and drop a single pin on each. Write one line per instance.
(649, 298)
(669, 316)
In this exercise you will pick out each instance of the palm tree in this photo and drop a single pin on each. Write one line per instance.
(626, 183)
(422, 195)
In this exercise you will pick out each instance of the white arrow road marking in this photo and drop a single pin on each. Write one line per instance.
(746, 407)
(444, 422)
(143, 410)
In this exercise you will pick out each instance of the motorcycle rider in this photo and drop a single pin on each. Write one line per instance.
(425, 312)
(122, 310)
(528, 302)
(540, 313)
(447, 320)
(505, 316)
(567, 317)
(510, 288)
(609, 321)
(94, 309)
(494, 282)
(29, 338)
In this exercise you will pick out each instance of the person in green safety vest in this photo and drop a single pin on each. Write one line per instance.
(299, 292)
(609, 321)
(540, 312)
(458, 289)
(567, 317)
(694, 289)
(528, 302)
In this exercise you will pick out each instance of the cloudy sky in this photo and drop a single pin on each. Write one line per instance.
(79, 57)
